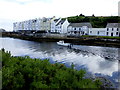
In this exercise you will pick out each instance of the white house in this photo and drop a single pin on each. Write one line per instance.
(38, 26)
(44, 24)
(15, 26)
(113, 29)
(79, 28)
(97, 31)
(61, 26)
(53, 25)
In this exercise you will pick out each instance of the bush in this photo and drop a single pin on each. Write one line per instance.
(26, 73)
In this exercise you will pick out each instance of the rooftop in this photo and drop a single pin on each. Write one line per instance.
(81, 24)
(56, 20)
(61, 22)
(113, 25)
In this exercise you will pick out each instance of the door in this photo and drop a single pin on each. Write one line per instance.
(111, 34)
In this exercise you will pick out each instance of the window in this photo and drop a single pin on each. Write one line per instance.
(107, 29)
(83, 33)
(90, 31)
(112, 29)
(75, 32)
(116, 33)
(117, 29)
(107, 33)
(74, 28)
(98, 32)
(79, 28)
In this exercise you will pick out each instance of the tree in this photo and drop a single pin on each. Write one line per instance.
(93, 15)
(81, 15)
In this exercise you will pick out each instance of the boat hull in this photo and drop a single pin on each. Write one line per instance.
(63, 44)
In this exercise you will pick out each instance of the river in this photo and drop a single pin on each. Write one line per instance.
(99, 61)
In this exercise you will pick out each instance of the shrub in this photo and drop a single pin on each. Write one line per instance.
(26, 73)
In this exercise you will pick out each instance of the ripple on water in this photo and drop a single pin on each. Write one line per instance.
(96, 60)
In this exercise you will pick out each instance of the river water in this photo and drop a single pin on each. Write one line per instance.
(99, 61)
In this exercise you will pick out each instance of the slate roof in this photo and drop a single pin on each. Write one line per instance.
(56, 20)
(113, 25)
(2, 30)
(60, 22)
(81, 24)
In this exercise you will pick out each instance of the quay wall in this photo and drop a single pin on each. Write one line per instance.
(90, 41)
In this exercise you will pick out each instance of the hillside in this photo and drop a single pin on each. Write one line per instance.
(96, 21)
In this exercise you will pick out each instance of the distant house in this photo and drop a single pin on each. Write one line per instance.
(97, 31)
(79, 28)
(15, 27)
(61, 26)
(53, 25)
(113, 29)
(36, 24)
(2, 30)
(45, 24)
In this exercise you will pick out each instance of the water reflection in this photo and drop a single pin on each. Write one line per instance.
(97, 60)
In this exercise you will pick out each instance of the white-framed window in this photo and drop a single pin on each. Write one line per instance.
(117, 29)
(74, 28)
(112, 29)
(98, 32)
(117, 33)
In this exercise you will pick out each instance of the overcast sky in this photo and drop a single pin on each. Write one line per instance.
(19, 10)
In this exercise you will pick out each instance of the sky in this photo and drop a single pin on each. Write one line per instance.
(20, 10)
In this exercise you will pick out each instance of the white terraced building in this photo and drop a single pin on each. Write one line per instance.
(79, 29)
(62, 26)
(37, 24)
(112, 29)
(53, 25)
(97, 31)
(45, 24)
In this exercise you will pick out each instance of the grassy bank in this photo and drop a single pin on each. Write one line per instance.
(26, 73)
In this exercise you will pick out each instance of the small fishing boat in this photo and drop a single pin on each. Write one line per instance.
(63, 44)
